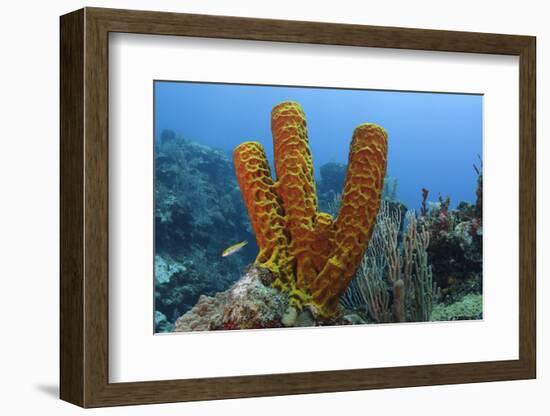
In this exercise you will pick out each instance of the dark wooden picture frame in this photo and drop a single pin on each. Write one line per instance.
(84, 207)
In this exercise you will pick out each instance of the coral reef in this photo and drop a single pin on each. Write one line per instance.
(395, 277)
(344, 252)
(162, 324)
(456, 243)
(166, 269)
(198, 213)
(313, 256)
(469, 307)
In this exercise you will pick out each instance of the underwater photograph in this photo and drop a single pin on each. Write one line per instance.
(292, 206)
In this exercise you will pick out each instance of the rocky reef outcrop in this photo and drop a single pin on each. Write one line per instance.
(251, 303)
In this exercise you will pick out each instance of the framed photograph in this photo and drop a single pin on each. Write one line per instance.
(255, 207)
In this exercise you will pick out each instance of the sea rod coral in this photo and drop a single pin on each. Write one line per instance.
(313, 255)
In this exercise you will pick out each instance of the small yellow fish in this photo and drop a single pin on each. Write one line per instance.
(234, 248)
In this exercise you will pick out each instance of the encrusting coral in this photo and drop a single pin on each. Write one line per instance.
(312, 255)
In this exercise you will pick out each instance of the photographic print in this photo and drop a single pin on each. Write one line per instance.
(369, 194)
(291, 206)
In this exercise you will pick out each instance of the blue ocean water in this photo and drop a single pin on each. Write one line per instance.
(434, 138)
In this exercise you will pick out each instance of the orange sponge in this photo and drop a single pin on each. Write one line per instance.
(358, 210)
(264, 208)
(295, 184)
(314, 256)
